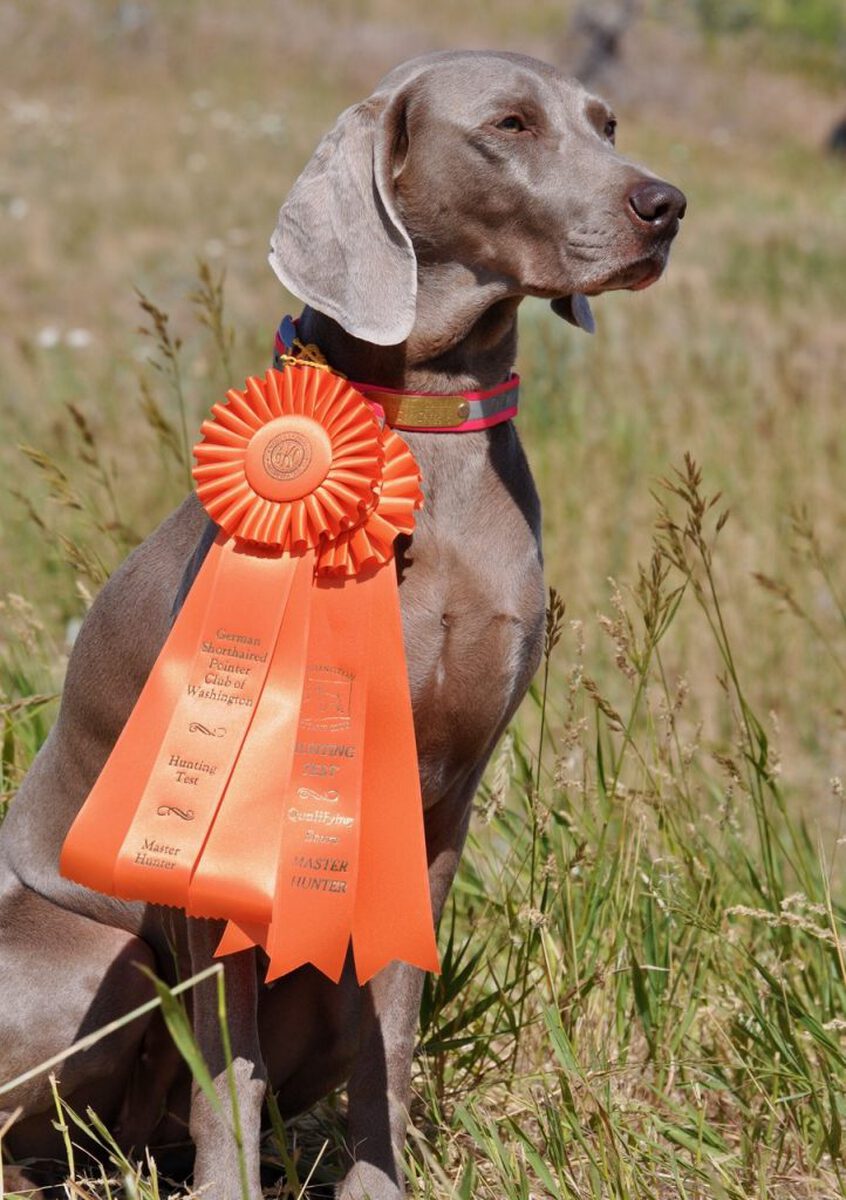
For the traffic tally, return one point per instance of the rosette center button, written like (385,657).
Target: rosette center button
(288,458)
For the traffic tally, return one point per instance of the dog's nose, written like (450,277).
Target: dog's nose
(656,204)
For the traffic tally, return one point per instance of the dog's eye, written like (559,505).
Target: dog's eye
(512,124)
(610,130)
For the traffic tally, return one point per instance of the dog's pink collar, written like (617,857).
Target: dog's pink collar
(458,412)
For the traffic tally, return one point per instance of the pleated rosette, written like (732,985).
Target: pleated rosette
(371,542)
(297,460)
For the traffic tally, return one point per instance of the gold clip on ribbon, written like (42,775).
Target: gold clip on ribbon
(268,772)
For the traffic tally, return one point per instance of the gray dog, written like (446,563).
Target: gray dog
(464,183)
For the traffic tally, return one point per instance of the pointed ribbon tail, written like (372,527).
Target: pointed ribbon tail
(321,810)
(353,862)
(393,910)
(237,937)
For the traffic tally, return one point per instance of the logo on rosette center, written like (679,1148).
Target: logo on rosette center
(298,460)
(287,456)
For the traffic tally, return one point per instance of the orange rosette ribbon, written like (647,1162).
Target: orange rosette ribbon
(268,772)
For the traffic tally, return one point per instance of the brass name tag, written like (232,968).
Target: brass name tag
(425,411)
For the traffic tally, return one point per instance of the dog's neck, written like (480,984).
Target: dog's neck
(464,337)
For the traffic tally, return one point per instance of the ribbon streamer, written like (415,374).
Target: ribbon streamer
(268,773)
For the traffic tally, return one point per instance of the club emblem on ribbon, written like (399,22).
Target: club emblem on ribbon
(306,829)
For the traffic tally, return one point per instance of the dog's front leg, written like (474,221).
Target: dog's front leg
(217,1167)
(380,1085)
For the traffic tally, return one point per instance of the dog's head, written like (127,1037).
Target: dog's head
(493,161)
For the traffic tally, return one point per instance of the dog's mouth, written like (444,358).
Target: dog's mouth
(647,281)
(634,277)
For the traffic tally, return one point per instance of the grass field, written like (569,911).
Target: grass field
(644,977)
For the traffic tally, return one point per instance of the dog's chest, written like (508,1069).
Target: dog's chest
(472,600)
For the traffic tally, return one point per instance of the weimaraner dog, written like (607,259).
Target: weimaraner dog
(464,183)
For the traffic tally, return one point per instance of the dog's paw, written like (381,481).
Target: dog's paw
(363,1181)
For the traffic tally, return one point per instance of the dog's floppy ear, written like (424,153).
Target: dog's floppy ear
(339,242)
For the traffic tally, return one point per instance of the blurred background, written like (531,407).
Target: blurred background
(141,138)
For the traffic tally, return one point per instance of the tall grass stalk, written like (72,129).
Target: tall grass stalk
(552,635)
(168,347)
(207,299)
